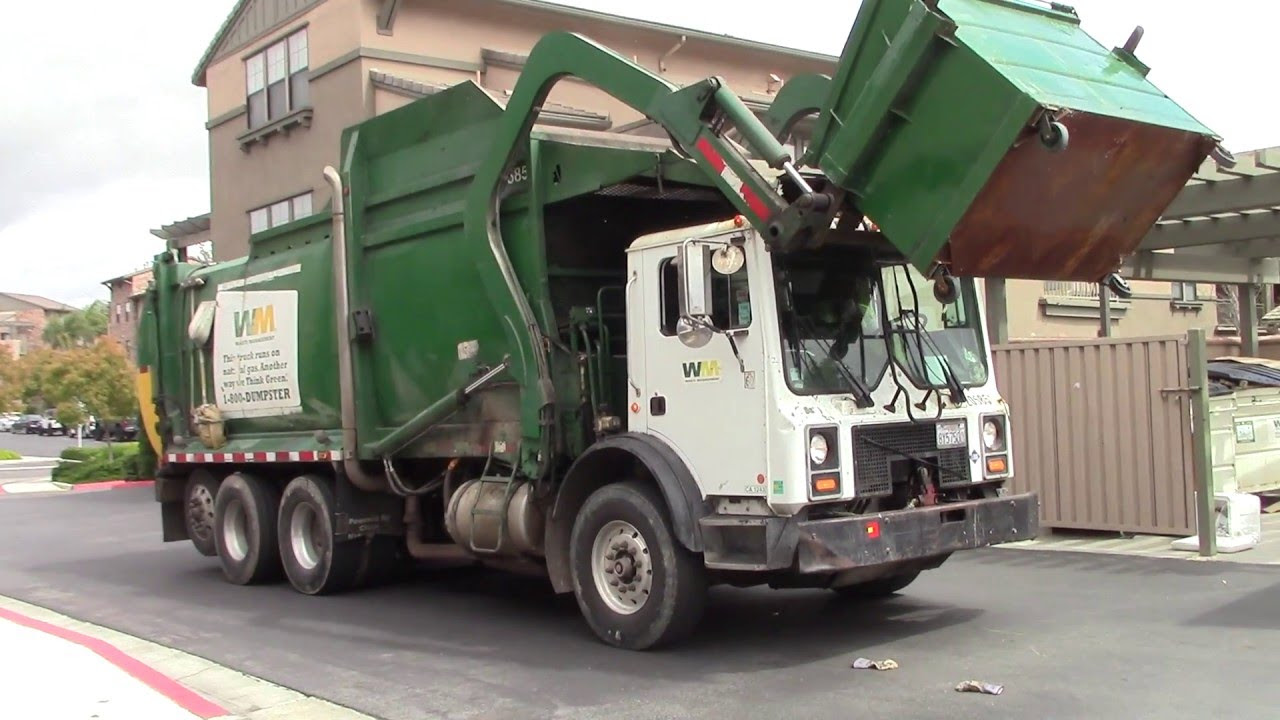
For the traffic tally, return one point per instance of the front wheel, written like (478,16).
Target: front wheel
(637,587)
(881,587)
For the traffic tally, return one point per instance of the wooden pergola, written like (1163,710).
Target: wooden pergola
(1223,228)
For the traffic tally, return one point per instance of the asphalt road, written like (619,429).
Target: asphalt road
(1068,635)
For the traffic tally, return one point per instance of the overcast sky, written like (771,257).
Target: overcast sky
(102,133)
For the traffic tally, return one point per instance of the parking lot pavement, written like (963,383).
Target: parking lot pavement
(1068,635)
(49,446)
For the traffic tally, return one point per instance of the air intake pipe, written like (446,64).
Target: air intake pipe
(346,374)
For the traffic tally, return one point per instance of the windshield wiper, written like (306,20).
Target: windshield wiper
(948,375)
(859,386)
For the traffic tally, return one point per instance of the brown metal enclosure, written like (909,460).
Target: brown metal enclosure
(1102,431)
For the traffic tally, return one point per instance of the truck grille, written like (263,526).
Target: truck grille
(872,474)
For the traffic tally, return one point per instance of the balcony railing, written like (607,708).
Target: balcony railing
(1071,290)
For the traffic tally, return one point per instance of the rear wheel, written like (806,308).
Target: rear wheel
(244,512)
(198,513)
(313,562)
(637,587)
(878,588)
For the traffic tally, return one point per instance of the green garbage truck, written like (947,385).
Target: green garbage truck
(752,352)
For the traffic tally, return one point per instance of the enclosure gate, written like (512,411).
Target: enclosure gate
(1102,431)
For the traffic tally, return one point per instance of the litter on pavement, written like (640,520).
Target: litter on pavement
(865,664)
(979,687)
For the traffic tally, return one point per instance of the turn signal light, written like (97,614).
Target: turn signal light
(997,466)
(826,484)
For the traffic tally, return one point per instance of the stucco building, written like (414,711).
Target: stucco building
(23,319)
(125,307)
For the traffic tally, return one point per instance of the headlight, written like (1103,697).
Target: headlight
(991,435)
(817,449)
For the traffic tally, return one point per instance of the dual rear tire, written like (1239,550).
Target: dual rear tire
(262,534)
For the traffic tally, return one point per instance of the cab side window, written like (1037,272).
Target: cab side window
(730,298)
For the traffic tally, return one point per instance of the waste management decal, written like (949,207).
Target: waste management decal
(255,353)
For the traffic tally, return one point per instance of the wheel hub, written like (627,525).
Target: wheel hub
(306,536)
(200,512)
(620,567)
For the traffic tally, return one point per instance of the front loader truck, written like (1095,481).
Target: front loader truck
(752,352)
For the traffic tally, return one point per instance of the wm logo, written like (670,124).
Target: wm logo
(701,370)
(255,321)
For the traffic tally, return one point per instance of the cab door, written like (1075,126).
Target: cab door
(701,400)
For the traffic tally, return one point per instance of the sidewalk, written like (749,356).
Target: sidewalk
(55,668)
(1266,552)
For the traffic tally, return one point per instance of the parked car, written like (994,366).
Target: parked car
(8,420)
(28,425)
(119,430)
(51,426)
(84,429)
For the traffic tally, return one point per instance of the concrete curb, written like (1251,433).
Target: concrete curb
(44,487)
(201,687)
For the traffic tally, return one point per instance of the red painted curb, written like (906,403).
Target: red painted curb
(180,694)
(111,485)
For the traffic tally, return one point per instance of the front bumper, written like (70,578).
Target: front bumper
(847,543)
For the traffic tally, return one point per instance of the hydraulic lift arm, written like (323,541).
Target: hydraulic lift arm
(696,117)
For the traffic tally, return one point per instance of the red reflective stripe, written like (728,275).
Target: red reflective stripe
(260,457)
(709,152)
(755,203)
(307,456)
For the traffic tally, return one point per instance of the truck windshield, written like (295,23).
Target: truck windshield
(831,321)
(929,337)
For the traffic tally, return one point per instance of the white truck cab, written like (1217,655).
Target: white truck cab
(814,386)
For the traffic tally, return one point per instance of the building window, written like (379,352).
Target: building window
(1184,292)
(276,80)
(279,213)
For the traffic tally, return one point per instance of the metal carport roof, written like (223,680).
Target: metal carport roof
(1223,228)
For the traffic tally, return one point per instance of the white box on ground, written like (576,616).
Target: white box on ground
(1237,524)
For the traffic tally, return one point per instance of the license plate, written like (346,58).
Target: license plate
(951,435)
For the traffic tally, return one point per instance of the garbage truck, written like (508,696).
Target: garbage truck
(752,352)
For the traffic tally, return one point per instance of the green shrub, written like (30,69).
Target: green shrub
(119,462)
(9,455)
(77,453)
(89,453)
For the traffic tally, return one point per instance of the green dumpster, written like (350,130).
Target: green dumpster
(997,137)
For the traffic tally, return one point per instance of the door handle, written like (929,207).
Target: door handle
(657,405)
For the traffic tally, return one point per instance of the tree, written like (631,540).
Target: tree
(10,382)
(77,329)
(95,379)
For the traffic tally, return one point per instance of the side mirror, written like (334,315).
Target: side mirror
(694,326)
